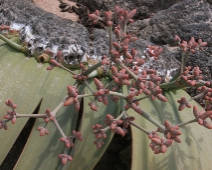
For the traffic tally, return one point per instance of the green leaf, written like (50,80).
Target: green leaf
(26,82)
(193,153)
(86,154)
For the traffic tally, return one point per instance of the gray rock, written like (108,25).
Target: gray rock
(46,31)
(163,19)
(144,7)
(190,18)
(166,65)
(100,43)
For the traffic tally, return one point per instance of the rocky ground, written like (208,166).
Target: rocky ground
(156,23)
(54,7)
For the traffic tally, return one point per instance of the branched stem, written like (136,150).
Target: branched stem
(155,122)
(67,69)
(117,94)
(84,95)
(184,59)
(130,72)
(121,115)
(31,115)
(139,127)
(106,129)
(142,98)
(59,128)
(197,96)
(110,38)
(59,106)
(88,85)
(185,123)
(182,65)
(118,118)
(110,84)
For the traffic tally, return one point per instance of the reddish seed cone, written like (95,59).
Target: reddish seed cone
(64,158)
(93,16)
(69,101)
(132,13)
(54,62)
(13,120)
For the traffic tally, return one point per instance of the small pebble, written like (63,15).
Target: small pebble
(63,5)
(65,9)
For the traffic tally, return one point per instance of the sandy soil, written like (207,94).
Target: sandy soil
(53,7)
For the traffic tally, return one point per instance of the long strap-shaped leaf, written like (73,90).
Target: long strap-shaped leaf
(86,154)
(26,82)
(193,153)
